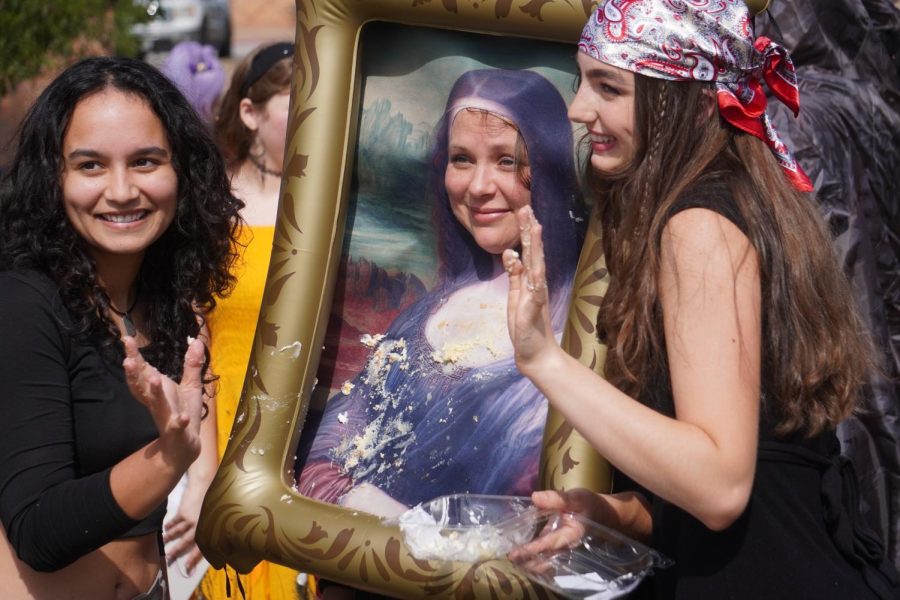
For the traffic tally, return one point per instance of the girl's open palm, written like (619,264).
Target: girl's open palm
(528,311)
(176,407)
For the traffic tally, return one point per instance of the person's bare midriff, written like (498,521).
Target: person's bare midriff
(120,570)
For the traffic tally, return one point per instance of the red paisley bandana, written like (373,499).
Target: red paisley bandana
(702,40)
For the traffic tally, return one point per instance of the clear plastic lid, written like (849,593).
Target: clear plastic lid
(567,553)
(578,558)
(467,527)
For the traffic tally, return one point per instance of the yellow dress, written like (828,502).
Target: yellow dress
(232,326)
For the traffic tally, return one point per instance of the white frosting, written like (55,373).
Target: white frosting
(428,539)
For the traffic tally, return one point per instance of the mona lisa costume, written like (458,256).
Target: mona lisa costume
(416,422)
(417,426)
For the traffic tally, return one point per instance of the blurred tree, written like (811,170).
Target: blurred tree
(35,34)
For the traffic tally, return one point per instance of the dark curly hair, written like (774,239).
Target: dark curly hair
(182,272)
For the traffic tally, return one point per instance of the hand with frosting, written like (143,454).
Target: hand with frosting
(528,311)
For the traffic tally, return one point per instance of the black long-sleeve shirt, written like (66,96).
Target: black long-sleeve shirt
(66,417)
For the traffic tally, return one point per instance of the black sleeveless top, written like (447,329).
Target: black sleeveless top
(801,535)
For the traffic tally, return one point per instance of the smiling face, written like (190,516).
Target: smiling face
(604,104)
(483,179)
(119,187)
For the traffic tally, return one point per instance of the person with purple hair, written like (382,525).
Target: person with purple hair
(440,407)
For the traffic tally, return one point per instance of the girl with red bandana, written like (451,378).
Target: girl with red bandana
(734,346)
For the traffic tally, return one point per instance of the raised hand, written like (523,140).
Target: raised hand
(528,310)
(176,407)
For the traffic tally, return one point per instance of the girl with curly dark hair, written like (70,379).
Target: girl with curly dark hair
(116,230)
(734,345)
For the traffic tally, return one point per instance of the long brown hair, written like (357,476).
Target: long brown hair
(232,136)
(816,356)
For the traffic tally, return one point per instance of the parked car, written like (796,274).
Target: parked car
(173,21)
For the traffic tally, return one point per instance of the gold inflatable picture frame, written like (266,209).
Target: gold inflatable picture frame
(251,512)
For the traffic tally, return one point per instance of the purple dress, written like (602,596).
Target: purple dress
(418,428)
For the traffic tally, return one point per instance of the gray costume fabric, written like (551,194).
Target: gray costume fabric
(847,139)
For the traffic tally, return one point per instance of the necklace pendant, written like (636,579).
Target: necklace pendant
(129,325)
